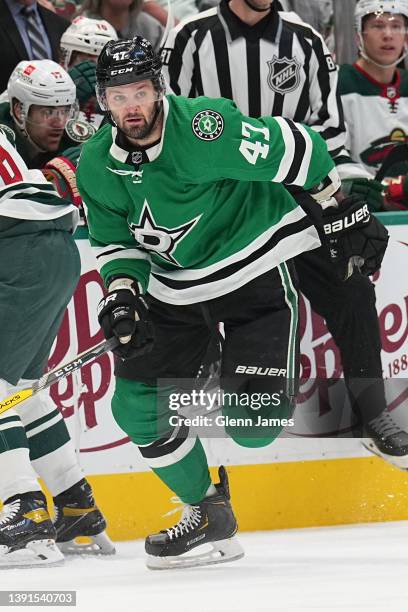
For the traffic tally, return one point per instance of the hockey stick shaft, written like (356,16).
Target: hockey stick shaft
(58,373)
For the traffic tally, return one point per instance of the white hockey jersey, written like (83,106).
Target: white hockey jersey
(376,115)
(26,194)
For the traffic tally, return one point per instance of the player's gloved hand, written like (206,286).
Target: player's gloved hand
(61,171)
(369,190)
(124,313)
(396,193)
(84,77)
(355,237)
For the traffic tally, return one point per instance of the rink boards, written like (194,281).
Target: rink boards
(295,482)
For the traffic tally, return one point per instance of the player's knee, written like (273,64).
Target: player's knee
(258,417)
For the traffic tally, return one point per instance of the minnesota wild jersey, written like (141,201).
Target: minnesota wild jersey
(25,194)
(376,114)
(204,211)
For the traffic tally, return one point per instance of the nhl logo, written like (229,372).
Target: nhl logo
(284,74)
(137,157)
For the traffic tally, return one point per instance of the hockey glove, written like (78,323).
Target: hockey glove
(396,193)
(355,237)
(84,77)
(124,313)
(61,171)
(369,190)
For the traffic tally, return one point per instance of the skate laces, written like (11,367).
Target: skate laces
(9,511)
(385,425)
(190,518)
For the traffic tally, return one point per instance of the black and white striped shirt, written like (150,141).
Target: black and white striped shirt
(279,67)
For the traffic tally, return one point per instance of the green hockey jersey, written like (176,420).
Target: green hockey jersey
(376,115)
(204,211)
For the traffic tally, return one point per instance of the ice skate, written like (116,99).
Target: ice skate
(387,440)
(79,523)
(27,535)
(209,525)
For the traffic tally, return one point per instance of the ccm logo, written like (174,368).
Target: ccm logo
(358,216)
(241,369)
(121,71)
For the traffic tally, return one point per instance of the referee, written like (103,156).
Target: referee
(270,62)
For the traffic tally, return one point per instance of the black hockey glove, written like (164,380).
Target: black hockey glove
(124,313)
(355,237)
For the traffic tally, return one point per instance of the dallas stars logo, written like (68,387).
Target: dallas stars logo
(161,240)
(207,125)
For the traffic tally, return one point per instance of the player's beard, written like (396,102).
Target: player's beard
(138,132)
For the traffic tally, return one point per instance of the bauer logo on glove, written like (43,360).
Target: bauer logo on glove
(355,238)
(345,222)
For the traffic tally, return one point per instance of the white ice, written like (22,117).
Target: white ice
(347,568)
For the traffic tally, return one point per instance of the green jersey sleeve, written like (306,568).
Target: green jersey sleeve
(231,145)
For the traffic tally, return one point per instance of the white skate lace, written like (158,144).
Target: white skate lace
(190,519)
(385,425)
(9,512)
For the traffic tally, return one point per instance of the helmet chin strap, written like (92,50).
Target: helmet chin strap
(256,9)
(364,55)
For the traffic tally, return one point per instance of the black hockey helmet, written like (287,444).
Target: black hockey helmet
(127,61)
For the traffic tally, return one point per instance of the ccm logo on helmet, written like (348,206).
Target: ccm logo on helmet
(120,71)
(362,215)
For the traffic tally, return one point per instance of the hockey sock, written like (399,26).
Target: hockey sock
(52,452)
(17,475)
(174,454)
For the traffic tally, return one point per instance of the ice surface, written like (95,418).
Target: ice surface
(347,568)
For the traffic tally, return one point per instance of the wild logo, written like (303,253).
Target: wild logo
(79,131)
(284,74)
(377,151)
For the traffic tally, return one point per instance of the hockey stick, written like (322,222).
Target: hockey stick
(58,374)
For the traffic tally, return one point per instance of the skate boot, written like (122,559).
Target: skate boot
(77,516)
(27,535)
(211,522)
(387,440)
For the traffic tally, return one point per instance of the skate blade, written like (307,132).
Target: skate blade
(43,553)
(399,462)
(88,545)
(222,551)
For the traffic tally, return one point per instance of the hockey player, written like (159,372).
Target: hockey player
(84,40)
(80,45)
(40,115)
(374,93)
(39,269)
(191,225)
(270,62)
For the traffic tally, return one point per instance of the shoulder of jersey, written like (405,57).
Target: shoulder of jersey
(99,144)
(293,21)
(404,82)
(350,80)
(8,132)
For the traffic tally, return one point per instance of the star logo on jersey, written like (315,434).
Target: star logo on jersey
(284,74)
(162,240)
(208,125)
